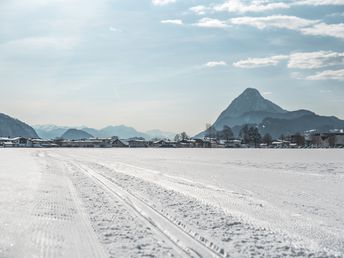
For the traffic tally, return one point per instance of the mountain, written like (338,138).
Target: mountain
(13,128)
(277,126)
(122,131)
(253,109)
(156,133)
(50,131)
(249,108)
(76,134)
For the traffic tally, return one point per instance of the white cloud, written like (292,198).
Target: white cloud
(163,2)
(299,60)
(323,29)
(213,64)
(255,6)
(238,6)
(328,75)
(260,62)
(313,60)
(211,23)
(277,21)
(304,26)
(200,9)
(319,2)
(176,22)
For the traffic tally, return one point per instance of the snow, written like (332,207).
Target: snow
(171,202)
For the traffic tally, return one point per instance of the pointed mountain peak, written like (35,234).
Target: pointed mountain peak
(251,91)
(249,101)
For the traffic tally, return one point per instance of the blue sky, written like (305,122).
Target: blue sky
(167,64)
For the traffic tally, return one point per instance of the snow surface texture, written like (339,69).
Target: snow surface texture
(171,203)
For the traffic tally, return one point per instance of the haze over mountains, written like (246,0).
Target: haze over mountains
(249,108)
(121,131)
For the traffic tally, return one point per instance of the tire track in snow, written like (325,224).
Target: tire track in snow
(173,231)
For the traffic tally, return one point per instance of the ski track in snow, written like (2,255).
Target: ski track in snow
(84,204)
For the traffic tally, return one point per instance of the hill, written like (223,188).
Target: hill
(11,127)
(76,134)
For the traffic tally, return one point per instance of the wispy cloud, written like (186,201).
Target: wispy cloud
(304,26)
(255,6)
(318,2)
(323,29)
(313,60)
(237,6)
(299,60)
(163,2)
(302,60)
(176,22)
(260,62)
(276,21)
(213,64)
(328,75)
(211,23)
(200,9)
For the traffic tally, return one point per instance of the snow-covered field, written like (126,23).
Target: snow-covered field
(171,202)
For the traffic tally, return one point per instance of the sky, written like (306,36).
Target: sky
(167,64)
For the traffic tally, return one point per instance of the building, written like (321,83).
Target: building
(135,143)
(120,144)
(13,142)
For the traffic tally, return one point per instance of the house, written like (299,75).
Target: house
(13,142)
(280,144)
(339,140)
(186,144)
(164,144)
(234,143)
(327,140)
(135,143)
(120,144)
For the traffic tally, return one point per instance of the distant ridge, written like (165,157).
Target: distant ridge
(252,108)
(121,131)
(76,134)
(11,127)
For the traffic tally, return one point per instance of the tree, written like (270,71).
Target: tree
(211,132)
(254,136)
(267,139)
(184,136)
(244,134)
(250,135)
(177,137)
(298,139)
(227,133)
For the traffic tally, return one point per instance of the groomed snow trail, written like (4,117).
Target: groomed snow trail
(82,203)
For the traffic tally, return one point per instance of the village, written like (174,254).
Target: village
(307,140)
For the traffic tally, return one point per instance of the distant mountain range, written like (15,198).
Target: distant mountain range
(11,127)
(253,109)
(249,108)
(121,131)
